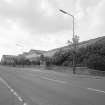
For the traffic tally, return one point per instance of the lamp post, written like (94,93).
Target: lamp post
(74,45)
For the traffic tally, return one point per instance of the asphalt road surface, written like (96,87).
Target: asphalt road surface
(42,87)
(6,97)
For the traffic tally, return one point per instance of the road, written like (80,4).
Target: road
(6,97)
(42,87)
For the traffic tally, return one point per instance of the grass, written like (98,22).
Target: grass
(79,70)
(64,69)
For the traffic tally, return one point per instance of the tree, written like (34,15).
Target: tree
(21,60)
(96,61)
(48,61)
(75,42)
(59,57)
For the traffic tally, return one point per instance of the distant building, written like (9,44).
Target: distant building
(8,59)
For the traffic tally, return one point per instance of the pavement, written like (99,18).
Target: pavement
(43,87)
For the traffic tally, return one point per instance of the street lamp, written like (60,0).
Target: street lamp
(74,65)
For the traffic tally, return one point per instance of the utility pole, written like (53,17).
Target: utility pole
(73,43)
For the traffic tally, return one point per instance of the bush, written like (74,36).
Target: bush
(97,62)
(67,63)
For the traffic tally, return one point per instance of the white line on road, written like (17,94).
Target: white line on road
(54,80)
(12,90)
(25,104)
(46,71)
(20,99)
(92,89)
(59,81)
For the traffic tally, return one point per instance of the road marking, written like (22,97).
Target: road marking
(15,93)
(46,71)
(59,81)
(12,91)
(25,104)
(92,89)
(20,99)
(54,80)
(36,70)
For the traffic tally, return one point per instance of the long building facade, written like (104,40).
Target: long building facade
(8,59)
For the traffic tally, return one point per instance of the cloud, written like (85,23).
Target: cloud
(99,17)
(92,23)
(43,16)
(40,16)
(38,24)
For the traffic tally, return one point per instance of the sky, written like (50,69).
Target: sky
(38,24)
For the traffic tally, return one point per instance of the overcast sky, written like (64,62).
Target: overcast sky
(38,24)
